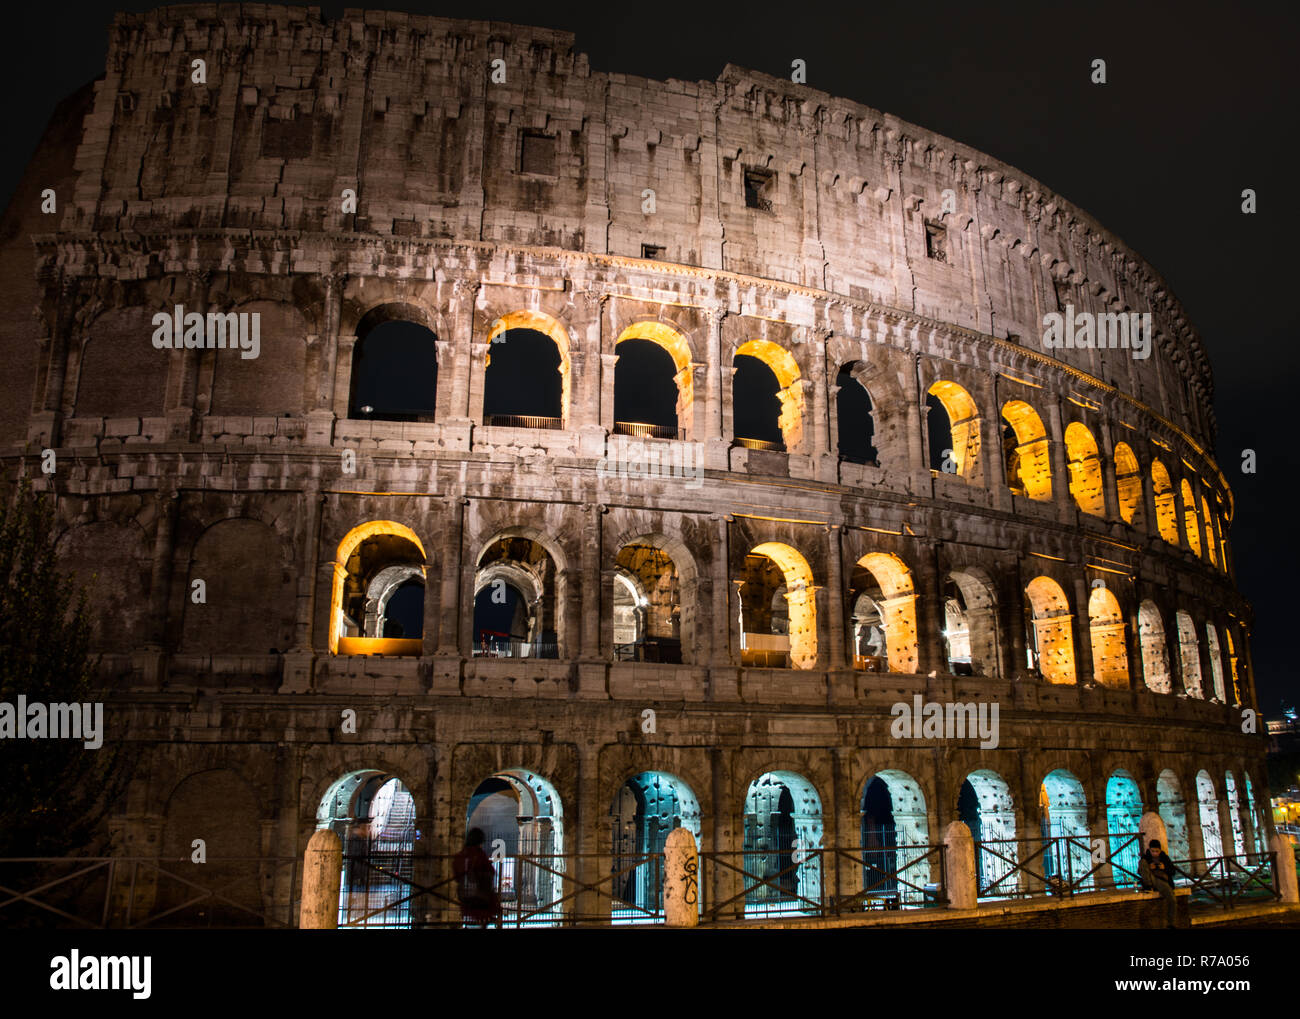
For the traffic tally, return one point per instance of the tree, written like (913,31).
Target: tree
(54,793)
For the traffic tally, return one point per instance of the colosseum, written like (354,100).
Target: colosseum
(455,437)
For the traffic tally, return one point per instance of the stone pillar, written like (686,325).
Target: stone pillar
(1083,669)
(449,597)
(817,411)
(994,466)
(478,358)
(959,879)
(592,829)
(1060,471)
(322,869)
(1285,862)
(323,412)
(681,879)
(568,631)
(1109,487)
(465,295)
(608,364)
(1011,604)
(725,646)
(160,575)
(183,401)
(717,398)
(915,451)
(836,656)
(592,555)
(931,652)
(1149,500)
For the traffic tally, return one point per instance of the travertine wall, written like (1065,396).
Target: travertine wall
(176,466)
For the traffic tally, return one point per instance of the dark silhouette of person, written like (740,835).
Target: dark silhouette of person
(1157,871)
(476,882)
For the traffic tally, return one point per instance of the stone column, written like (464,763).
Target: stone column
(465,295)
(592,554)
(1083,670)
(931,652)
(817,411)
(915,452)
(837,656)
(167,501)
(478,358)
(449,597)
(323,411)
(1011,604)
(1110,491)
(322,870)
(1060,471)
(995,471)
(959,867)
(184,401)
(681,879)
(605,397)
(716,434)
(1149,500)
(345,345)
(724,650)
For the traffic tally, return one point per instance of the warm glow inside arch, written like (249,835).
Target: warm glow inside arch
(800,594)
(898,608)
(1085,469)
(1128,482)
(538,321)
(1109,648)
(786,369)
(347,546)
(963,417)
(1191,524)
(1052,630)
(1166,507)
(1029,465)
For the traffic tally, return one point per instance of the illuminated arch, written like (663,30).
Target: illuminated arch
(783,813)
(1026,452)
(674,344)
(1128,483)
(1234,815)
(790,394)
(895,832)
(970,622)
(1233,671)
(964,426)
(1208,517)
(539,322)
(1216,663)
(1052,636)
(1084,464)
(987,808)
(1173,811)
(1155,649)
(898,608)
(1166,505)
(1063,807)
(800,594)
(347,546)
(1207,801)
(1191,524)
(1123,815)
(1189,653)
(1109,644)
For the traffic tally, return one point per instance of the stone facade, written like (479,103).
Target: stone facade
(804,230)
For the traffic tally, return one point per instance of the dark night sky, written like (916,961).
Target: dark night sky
(1199,103)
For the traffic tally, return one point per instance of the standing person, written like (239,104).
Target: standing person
(476,882)
(1158,871)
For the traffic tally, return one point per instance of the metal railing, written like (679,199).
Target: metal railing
(821,882)
(641,431)
(98,892)
(777,447)
(522,421)
(1230,881)
(499,648)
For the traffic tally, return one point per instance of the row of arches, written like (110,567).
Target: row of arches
(782,828)
(520,586)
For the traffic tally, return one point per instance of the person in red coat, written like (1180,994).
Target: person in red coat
(476,882)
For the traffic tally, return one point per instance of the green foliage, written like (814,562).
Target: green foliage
(54,792)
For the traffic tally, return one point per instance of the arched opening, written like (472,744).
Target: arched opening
(1155,650)
(1238,693)
(1109,641)
(394,369)
(373,814)
(985,805)
(1260,836)
(1173,811)
(648,606)
(783,830)
(1128,485)
(970,625)
(857,426)
(1234,815)
(778,612)
(1190,522)
(895,832)
(1211,552)
(522,821)
(1207,802)
(648,806)
(377,605)
(1166,508)
(884,614)
(1216,663)
(1063,816)
(1123,815)
(1052,647)
(526,384)
(1189,654)
(953,425)
(1084,464)
(516,600)
(1025,452)
(648,400)
(767,397)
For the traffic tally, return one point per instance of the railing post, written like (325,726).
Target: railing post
(681,879)
(959,867)
(322,870)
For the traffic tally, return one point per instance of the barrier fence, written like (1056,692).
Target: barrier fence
(412,890)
